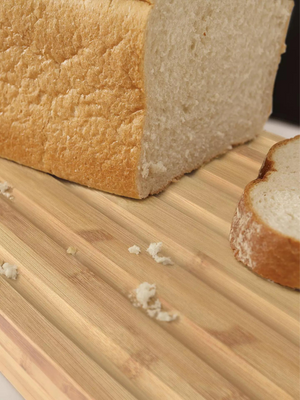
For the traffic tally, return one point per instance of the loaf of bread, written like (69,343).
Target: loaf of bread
(127,95)
(265,232)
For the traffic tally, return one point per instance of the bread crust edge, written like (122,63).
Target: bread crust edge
(264,250)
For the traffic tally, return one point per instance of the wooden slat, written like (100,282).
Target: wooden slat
(189,250)
(48,357)
(21,380)
(102,316)
(237,335)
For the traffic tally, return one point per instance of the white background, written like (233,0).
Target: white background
(7,392)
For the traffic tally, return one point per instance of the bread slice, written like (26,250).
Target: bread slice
(127,95)
(265,232)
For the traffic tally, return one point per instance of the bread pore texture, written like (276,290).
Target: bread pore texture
(127,95)
(265,232)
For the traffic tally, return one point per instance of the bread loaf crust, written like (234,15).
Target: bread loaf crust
(74,105)
(73,92)
(266,251)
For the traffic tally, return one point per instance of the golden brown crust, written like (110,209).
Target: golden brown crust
(269,164)
(267,252)
(72,82)
(72,89)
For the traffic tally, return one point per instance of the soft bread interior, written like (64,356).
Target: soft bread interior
(209,70)
(277,199)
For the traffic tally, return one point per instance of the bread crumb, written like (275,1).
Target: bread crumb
(154,249)
(154,168)
(166,317)
(157,168)
(72,250)
(134,250)
(163,260)
(152,313)
(156,305)
(10,271)
(145,170)
(5,190)
(143,295)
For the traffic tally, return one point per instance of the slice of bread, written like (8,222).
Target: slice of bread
(265,232)
(125,96)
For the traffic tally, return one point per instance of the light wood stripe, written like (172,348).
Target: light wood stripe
(40,363)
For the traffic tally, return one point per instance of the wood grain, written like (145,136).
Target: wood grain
(68,329)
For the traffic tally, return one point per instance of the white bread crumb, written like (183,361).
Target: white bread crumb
(163,260)
(143,295)
(154,249)
(156,305)
(152,313)
(10,271)
(165,316)
(158,168)
(5,190)
(154,168)
(134,250)
(72,250)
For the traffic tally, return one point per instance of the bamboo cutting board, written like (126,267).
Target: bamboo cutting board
(68,329)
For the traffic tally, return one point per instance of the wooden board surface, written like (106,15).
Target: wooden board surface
(68,329)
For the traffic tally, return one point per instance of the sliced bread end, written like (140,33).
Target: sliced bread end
(265,230)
